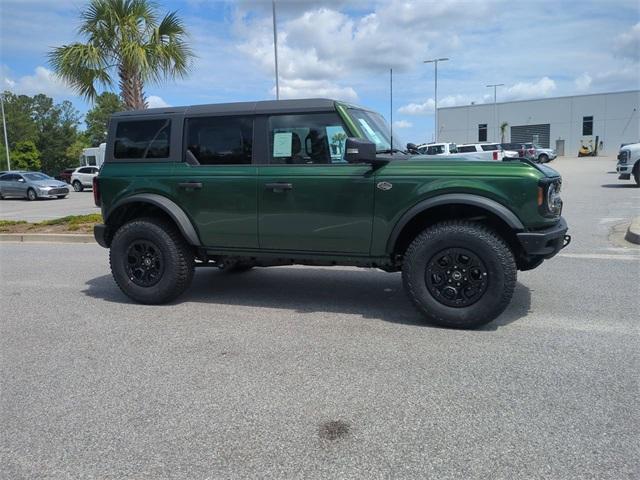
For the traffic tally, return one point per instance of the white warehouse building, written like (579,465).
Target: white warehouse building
(563,123)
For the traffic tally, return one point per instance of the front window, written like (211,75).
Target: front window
(314,138)
(376,129)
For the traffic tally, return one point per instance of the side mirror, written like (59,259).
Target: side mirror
(412,148)
(21,180)
(358,150)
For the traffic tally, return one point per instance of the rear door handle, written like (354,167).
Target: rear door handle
(190,185)
(278,186)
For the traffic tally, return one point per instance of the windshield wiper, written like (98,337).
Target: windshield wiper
(391,150)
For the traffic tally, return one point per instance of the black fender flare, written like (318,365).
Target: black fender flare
(169,207)
(485,203)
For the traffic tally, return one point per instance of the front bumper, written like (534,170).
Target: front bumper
(53,193)
(545,243)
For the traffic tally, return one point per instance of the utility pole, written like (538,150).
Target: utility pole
(435,62)
(4,126)
(275,47)
(495,109)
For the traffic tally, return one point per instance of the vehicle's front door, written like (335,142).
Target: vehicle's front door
(19,186)
(216,183)
(310,199)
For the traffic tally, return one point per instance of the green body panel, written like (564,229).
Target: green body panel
(328,209)
(225,210)
(512,184)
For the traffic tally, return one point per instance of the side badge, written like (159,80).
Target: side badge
(384,186)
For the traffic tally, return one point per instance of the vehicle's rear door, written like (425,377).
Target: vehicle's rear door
(310,199)
(216,183)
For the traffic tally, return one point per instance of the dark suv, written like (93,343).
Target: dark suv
(317,182)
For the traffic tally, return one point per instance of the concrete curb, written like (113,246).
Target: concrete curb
(633,232)
(47,237)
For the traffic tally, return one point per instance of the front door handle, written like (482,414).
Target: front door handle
(190,185)
(278,186)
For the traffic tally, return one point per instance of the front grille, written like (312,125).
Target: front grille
(58,191)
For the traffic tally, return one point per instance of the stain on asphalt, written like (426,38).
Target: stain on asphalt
(334,430)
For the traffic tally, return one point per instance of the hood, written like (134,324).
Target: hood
(48,183)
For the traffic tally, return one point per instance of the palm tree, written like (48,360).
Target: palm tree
(123,38)
(503,129)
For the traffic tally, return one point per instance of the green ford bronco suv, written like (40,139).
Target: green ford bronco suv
(317,182)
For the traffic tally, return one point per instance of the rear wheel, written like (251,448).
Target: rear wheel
(31,194)
(150,261)
(459,274)
(543,158)
(77,186)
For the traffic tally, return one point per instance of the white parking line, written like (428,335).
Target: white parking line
(600,256)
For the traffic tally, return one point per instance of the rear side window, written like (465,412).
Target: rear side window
(489,148)
(466,148)
(220,140)
(143,139)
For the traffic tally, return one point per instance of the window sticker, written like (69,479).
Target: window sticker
(282,144)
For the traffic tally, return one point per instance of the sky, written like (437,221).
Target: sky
(345,50)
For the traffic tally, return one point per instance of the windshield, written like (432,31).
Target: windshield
(376,129)
(36,176)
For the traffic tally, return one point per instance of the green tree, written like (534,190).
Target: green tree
(124,38)
(25,156)
(97,118)
(73,152)
(503,130)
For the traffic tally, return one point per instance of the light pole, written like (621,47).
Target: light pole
(4,126)
(495,107)
(435,62)
(275,47)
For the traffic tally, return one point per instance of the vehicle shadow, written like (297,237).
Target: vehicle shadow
(369,293)
(619,185)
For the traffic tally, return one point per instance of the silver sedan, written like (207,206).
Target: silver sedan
(31,185)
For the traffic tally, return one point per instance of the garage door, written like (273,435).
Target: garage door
(531,133)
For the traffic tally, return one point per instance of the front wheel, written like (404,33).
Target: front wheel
(636,176)
(543,158)
(31,195)
(459,274)
(150,261)
(77,186)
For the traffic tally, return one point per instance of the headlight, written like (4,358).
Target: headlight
(549,201)
(623,156)
(44,189)
(554,202)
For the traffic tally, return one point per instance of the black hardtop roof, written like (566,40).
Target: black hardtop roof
(242,108)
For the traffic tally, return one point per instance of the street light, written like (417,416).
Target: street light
(4,126)
(495,107)
(275,47)
(435,62)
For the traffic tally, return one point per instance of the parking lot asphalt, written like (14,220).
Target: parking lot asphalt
(305,372)
(77,203)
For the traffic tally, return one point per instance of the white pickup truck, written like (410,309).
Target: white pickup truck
(629,162)
(466,152)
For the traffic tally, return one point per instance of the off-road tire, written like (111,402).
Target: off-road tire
(32,195)
(543,158)
(177,255)
(487,245)
(77,186)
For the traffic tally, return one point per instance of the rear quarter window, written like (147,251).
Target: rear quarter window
(466,148)
(142,139)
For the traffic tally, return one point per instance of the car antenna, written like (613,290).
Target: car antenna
(391,106)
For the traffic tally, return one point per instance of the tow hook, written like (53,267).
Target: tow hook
(567,240)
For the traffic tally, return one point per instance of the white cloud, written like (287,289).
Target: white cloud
(583,82)
(402,124)
(154,101)
(525,90)
(299,88)
(418,108)
(43,80)
(627,44)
